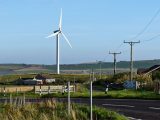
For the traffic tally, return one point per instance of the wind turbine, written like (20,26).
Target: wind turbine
(57,33)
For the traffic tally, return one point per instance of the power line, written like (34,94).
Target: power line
(118,47)
(152,38)
(147,25)
(124,51)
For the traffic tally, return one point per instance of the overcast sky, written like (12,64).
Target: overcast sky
(94,27)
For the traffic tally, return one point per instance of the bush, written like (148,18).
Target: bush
(156,75)
(118,78)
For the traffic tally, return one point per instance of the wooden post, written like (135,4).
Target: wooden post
(16,91)
(40,91)
(24,98)
(4,91)
(34,89)
(49,89)
(10,99)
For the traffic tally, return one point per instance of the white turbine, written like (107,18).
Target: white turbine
(57,33)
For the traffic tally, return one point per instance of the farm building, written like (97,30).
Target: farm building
(151,70)
(157,86)
(154,71)
(28,81)
(39,79)
(44,78)
(32,82)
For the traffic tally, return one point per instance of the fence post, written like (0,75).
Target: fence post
(24,98)
(34,89)
(40,90)
(16,91)
(10,99)
(49,89)
(74,87)
(4,91)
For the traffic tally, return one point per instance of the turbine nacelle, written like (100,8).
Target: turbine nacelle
(56,31)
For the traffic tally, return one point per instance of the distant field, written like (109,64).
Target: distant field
(31,68)
(35,70)
(84,68)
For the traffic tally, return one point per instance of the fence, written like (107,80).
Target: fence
(157,86)
(52,89)
(36,89)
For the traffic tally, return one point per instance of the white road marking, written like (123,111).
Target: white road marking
(118,105)
(154,108)
(132,118)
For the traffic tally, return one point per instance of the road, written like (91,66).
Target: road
(133,109)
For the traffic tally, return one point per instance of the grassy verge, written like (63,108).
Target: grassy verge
(118,94)
(114,94)
(14,95)
(52,110)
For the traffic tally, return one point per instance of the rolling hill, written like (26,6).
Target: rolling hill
(83,66)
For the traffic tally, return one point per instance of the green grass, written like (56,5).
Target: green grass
(115,94)
(84,93)
(52,110)
(15,95)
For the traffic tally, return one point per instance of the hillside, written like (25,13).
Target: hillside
(106,65)
(23,68)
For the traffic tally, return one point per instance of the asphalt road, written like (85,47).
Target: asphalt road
(133,109)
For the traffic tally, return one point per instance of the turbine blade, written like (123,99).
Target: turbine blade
(67,40)
(52,35)
(60,20)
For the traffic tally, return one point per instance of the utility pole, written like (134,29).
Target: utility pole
(115,61)
(69,99)
(91,80)
(131,43)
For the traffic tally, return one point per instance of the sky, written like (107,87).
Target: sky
(94,27)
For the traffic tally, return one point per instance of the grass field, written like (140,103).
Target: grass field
(84,93)
(115,94)
(52,110)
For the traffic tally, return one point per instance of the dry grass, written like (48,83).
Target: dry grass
(52,110)
(11,89)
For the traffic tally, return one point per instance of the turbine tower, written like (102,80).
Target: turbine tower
(57,33)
